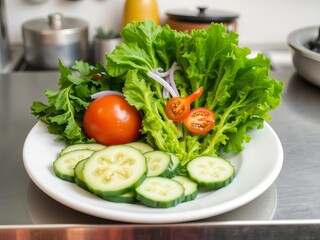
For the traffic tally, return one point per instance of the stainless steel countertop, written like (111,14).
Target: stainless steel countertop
(292,202)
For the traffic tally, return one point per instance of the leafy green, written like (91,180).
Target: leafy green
(238,89)
(64,111)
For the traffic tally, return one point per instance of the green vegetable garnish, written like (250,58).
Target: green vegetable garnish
(64,112)
(238,89)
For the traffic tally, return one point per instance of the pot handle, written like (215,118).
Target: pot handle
(55,20)
(202,10)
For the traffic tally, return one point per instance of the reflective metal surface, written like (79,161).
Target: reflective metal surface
(4,38)
(236,230)
(290,208)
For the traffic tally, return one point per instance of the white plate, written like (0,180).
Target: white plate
(257,167)
(43,209)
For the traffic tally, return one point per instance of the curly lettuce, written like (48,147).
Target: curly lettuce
(238,89)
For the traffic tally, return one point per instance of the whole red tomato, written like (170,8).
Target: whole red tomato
(111,120)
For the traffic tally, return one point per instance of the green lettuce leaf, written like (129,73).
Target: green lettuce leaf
(238,89)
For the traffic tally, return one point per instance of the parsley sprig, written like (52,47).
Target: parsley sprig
(65,108)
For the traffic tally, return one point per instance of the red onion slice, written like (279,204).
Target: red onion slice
(161,74)
(170,78)
(105,93)
(169,75)
(163,83)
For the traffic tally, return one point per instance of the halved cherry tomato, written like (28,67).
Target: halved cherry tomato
(200,120)
(178,108)
(111,120)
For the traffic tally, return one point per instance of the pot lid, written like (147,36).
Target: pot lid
(55,22)
(202,14)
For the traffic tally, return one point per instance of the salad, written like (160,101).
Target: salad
(160,71)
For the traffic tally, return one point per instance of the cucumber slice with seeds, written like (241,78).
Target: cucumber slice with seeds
(129,197)
(210,172)
(82,146)
(78,174)
(160,192)
(159,163)
(190,187)
(64,165)
(176,165)
(143,147)
(114,170)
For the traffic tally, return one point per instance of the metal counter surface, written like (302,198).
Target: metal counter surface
(295,195)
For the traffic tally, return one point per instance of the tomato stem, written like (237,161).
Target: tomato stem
(195,95)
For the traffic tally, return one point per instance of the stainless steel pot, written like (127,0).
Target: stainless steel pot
(103,46)
(201,18)
(47,40)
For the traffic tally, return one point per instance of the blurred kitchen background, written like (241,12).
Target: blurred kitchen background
(262,24)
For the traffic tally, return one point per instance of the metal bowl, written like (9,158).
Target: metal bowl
(305,60)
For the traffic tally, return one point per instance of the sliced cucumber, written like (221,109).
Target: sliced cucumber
(176,165)
(78,174)
(64,165)
(82,146)
(190,187)
(159,163)
(160,192)
(143,147)
(114,170)
(210,172)
(129,197)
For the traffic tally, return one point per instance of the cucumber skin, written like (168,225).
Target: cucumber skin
(213,185)
(216,185)
(190,197)
(141,146)
(159,204)
(106,194)
(174,172)
(167,171)
(122,199)
(64,176)
(82,146)
(80,182)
